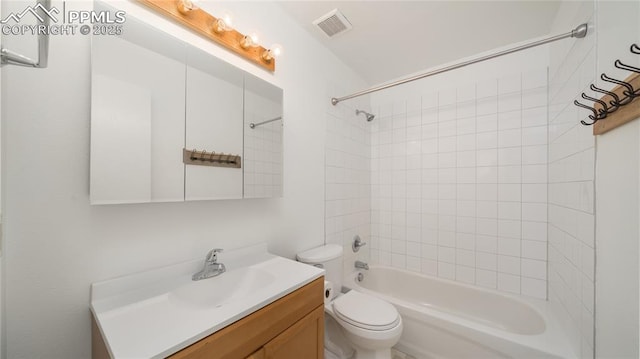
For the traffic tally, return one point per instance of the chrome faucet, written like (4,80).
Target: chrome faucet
(362,265)
(211,266)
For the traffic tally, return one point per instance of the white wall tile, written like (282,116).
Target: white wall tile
(532,136)
(534,174)
(534,250)
(510,156)
(510,138)
(487,105)
(488,261)
(487,88)
(487,209)
(510,192)
(534,98)
(488,244)
(488,122)
(509,246)
(534,268)
(536,116)
(457,180)
(487,157)
(509,265)
(536,288)
(509,120)
(465,274)
(486,278)
(446,270)
(536,212)
(509,283)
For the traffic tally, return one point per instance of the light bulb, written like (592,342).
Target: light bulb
(273,52)
(249,40)
(184,6)
(223,23)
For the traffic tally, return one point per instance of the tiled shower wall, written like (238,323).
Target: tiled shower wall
(571,181)
(459,184)
(347,180)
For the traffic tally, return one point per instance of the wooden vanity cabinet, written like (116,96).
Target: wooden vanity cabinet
(290,328)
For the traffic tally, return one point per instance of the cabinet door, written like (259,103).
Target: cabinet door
(304,339)
(259,354)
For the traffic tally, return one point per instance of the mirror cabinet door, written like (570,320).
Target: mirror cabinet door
(214,102)
(262,142)
(137,116)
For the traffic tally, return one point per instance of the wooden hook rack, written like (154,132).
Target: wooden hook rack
(619,105)
(204,158)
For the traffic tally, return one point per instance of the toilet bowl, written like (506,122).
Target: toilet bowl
(370,325)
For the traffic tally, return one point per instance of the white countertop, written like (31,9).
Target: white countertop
(140,317)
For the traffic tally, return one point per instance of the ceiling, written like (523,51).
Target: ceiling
(391,39)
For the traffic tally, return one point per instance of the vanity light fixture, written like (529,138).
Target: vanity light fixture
(185,6)
(250,40)
(217,29)
(272,53)
(223,23)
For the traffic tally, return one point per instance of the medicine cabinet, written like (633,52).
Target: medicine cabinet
(171,122)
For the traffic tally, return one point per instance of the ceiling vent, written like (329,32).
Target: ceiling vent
(333,23)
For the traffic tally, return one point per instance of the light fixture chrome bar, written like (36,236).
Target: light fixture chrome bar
(254,125)
(9,57)
(578,32)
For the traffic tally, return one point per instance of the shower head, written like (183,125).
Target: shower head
(370,117)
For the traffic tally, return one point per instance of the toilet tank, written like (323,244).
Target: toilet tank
(329,257)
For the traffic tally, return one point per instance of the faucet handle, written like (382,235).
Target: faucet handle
(212,256)
(357,243)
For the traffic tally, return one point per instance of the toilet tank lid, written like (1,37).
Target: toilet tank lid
(320,254)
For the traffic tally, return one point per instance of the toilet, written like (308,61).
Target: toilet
(370,325)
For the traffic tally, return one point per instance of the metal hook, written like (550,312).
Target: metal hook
(193,155)
(630,92)
(635,49)
(619,64)
(211,156)
(585,123)
(615,103)
(594,117)
(602,111)
(203,154)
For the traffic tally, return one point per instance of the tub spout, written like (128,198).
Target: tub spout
(362,265)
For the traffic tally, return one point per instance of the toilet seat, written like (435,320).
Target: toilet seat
(365,311)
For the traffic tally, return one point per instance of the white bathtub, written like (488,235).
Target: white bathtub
(446,319)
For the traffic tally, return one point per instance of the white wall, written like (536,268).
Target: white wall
(57,244)
(593,273)
(617,175)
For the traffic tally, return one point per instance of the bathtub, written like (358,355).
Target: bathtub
(446,319)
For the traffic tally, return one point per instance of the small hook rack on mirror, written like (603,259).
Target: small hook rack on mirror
(204,158)
(617,106)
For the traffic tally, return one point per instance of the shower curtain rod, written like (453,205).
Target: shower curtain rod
(579,32)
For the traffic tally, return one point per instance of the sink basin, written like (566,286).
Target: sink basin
(156,313)
(216,291)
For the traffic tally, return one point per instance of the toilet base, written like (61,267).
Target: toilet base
(362,353)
